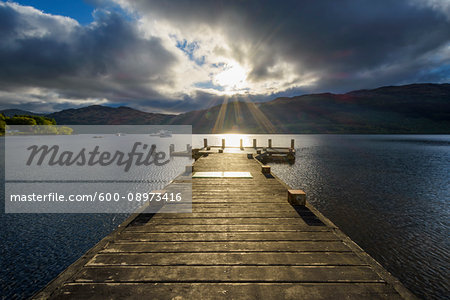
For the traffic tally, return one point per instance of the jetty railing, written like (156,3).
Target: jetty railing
(265,154)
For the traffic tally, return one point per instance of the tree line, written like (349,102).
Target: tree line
(5,121)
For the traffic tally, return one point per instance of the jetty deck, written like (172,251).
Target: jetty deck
(243,240)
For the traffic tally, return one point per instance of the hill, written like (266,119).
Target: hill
(418,108)
(13,112)
(104,115)
(415,108)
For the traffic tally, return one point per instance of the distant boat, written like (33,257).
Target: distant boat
(162,133)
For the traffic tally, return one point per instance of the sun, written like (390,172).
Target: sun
(232,77)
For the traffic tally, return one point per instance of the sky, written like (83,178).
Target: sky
(182,55)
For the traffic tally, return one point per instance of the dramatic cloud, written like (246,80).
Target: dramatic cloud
(180,55)
(322,45)
(51,58)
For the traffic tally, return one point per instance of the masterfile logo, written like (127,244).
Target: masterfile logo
(92,169)
(54,156)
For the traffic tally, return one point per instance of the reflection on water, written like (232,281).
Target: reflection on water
(37,247)
(389,193)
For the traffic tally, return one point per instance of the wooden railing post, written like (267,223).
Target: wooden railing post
(296,197)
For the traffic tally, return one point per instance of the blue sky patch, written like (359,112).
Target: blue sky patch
(189,49)
(78,10)
(208,85)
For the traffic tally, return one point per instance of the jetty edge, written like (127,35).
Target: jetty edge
(243,240)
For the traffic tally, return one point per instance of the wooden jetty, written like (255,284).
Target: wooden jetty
(243,240)
(265,155)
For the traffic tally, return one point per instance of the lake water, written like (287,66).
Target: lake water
(389,193)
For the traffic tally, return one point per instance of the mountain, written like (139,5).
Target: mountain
(13,112)
(104,115)
(415,108)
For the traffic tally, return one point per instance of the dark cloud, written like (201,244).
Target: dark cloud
(107,59)
(338,40)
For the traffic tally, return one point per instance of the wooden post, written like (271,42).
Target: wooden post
(292,144)
(254,143)
(270,143)
(205,143)
(223,143)
(171,149)
(296,197)
(265,169)
(291,156)
(241,145)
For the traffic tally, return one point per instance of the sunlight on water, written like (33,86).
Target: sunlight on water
(389,193)
(233,140)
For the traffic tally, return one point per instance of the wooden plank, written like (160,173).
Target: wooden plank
(224,221)
(245,291)
(229,236)
(242,240)
(219,189)
(155,227)
(228,274)
(242,205)
(236,258)
(237,209)
(251,200)
(247,214)
(227,246)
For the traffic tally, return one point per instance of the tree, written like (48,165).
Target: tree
(65,130)
(21,120)
(2,124)
(49,129)
(45,125)
(40,120)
